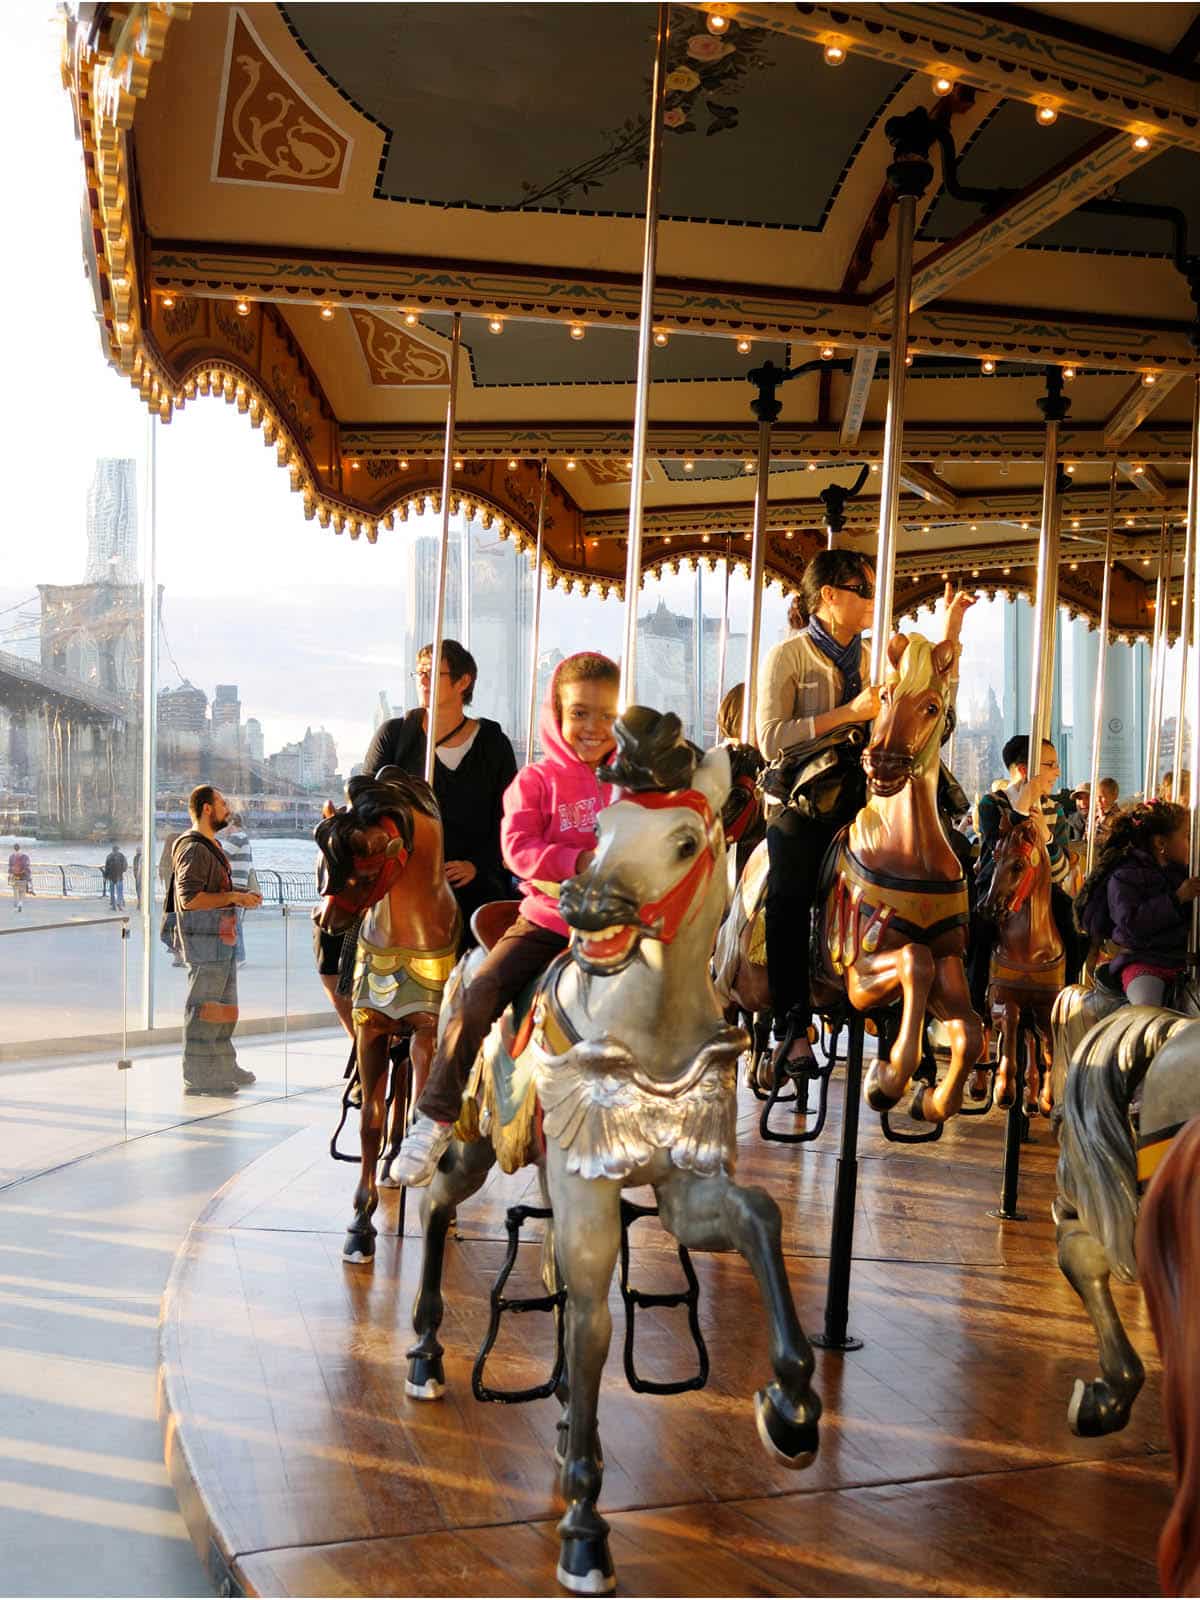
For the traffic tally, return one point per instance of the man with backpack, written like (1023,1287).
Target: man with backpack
(113,873)
(204,902)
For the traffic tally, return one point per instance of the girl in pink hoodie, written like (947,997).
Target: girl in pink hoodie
(548,835)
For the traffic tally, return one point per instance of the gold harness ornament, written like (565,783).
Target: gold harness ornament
(922,911)
(399,982)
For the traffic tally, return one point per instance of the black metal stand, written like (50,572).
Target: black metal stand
(1016,1132)
(553,1303)
(841,1238)
(637,1298)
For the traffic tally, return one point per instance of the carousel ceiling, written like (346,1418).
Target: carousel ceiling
(286,204)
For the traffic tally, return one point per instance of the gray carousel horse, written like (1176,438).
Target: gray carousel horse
(1108,1150)
(627,1058)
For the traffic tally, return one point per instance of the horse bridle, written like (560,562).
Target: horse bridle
(389,863)
(663,918)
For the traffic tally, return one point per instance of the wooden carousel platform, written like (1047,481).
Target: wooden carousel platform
(946,1466)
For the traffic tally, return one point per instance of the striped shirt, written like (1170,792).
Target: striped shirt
(237,848)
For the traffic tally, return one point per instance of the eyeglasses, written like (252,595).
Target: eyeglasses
(425,673)
(864,591)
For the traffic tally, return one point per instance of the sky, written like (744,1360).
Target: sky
(307,624)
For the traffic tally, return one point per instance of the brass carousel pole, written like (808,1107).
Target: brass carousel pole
(909,175)
(723,649)
(1158,661)
(439,609)
(1185,604)
(149,876)
(633,554)
(536,631)
(1101,666)
(1194,535)
(766,408)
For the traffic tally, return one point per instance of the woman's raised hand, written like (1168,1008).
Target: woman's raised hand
(957,602)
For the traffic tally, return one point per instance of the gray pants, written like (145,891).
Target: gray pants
(209,1018)
(1146,990)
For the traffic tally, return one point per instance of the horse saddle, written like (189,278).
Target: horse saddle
(500,1101)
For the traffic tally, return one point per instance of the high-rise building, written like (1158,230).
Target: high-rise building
(226,719)
(112,522)
(182,710)
(254,739)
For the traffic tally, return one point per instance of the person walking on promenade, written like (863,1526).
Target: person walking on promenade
(20,875)
(475,765)
(202,896)
(137,874)
(236,845)
(113,872)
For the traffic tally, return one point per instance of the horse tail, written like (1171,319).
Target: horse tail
(1168,1252)
(1097,1165)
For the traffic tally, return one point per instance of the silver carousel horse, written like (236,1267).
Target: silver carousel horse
(627,1063)
(1110,1143)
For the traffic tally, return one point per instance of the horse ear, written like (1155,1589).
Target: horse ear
(897,645)
(713,777)
(1005,823)
(943,657)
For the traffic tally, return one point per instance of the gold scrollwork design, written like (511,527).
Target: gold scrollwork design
(303,152)
(394,358)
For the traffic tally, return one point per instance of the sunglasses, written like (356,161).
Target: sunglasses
(864,591)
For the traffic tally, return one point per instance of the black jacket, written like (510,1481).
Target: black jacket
(470,798)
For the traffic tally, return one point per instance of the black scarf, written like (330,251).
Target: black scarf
(847,658)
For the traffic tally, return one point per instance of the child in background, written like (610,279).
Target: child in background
(547,836)
(1138,897)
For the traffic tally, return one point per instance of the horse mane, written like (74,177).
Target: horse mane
(1168,1252)
(1097,1165)
(915,671)
(392,793)
(652,754)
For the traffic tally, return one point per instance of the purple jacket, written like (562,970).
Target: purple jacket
(1148,922)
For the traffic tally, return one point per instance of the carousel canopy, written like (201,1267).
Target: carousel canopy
(285,204)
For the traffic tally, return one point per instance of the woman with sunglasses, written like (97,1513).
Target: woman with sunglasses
(814,684)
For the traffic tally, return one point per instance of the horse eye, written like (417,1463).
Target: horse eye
(687,847)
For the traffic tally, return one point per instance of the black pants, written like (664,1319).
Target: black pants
(983,942)
(513,961)
(796,846)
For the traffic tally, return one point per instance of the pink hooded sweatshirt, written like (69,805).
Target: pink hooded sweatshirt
(550,818)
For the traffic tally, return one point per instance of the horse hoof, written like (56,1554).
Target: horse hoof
(359,1248)
(585,1566)
(916,1106)
(1094,1410)
(877,1096)
(792,1443)
(426,1378)
(977,1088)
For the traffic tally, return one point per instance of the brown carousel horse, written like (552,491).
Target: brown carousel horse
(385,863)
(1028,965)
(1168,1259)
(894,921)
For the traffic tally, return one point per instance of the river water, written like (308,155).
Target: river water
(277,855)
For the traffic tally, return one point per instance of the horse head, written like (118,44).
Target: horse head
(914,701)
(365,844)
(1020,852)
(652,875)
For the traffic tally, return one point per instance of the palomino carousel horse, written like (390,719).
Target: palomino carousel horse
(624,1074)
(1168,1255)
(894,921)
(1028,964)
(383,854)
(1104,1157)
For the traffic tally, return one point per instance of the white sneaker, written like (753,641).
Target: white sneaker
(416,1161)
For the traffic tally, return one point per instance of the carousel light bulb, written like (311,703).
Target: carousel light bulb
(1007,571)
(459,464)
(326,313)
(1074,522)
(789,534)
(1070,471)
(812,466)
(1074,566)
(827,352)
(1149,379)
(1138,471)
(495,324)
(1068,374)
(403,465)
(242,307)
(629,466)
(1145,561)
(908,359)
(354,466)
(667,540)
(926,528)
(716,23)
(168,300)
(1141,141)
(689,466)
(1129,522)
(411,319)
(945,577)
(744,347)
(661,337)
(942,86)
(974,572)
(987,366)
(1047,116)
(571,464)
(974,527)
(1025,525)
(835,55)
(874,466)
(748,466)
(703,538)
(577,330)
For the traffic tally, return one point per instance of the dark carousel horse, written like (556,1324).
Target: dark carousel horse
(1028,963)
(1168,1255)
(384,863)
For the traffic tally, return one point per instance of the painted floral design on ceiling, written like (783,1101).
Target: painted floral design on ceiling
(705,75)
